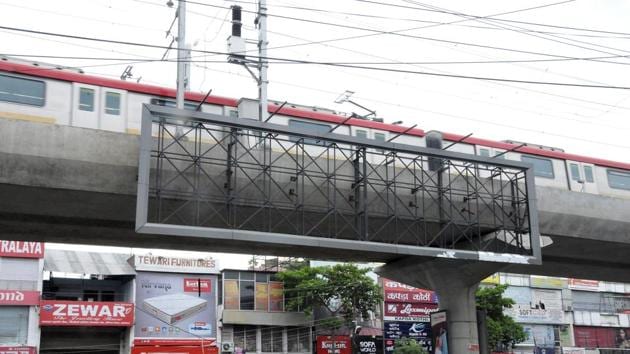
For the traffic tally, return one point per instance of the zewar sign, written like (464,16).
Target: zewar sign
(85,313)
(18,350)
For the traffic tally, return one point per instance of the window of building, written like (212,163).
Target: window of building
(13,324)
(575,172)
(618,179)
(271,340)
(86,99)
(309,127)
(108,295)
(298,340)
(247,294)
(245,338)
(169,103)
(24,91)
(112,103)
(588,174)
(542,167)
(361,133)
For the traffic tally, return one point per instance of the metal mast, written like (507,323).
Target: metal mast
(262,60)
(182,80)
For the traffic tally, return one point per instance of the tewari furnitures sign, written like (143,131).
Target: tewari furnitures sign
(176,264)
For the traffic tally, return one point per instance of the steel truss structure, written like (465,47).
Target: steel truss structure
(241,179)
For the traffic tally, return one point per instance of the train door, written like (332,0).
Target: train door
(112,113)
(85,106)
(582,177)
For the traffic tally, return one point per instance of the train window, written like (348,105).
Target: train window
(380,137)
(19,90)
(484,152)
(361,134)
(86,99)
(542,167)
(618,179)
(308,127)
(169,103)
(112,103)
(575,172)
(588,174)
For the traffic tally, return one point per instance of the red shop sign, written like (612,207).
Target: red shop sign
(19,297)
(398,292)
(85,313)
(192,285)
(409,309)
(21,249)
(333,345)
(18,350)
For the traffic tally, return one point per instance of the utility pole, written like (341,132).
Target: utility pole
(182,80)
(262,60)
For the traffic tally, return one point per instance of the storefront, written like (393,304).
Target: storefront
(20,288)
(87,303)
(176,302)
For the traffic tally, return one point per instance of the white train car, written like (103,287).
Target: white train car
(48,94)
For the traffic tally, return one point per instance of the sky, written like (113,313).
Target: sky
(579,42)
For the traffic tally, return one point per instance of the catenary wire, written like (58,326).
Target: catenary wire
(469,77)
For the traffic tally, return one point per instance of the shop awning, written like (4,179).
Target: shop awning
(78,262)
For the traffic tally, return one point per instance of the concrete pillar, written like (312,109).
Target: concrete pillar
(455,282)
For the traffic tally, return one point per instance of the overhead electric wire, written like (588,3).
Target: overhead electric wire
(469,77)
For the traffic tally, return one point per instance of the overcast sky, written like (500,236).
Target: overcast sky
(586,121)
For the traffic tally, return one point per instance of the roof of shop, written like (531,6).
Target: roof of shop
(77,262)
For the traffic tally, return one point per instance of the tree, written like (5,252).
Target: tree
(409,346)
(344,290)
(502,330)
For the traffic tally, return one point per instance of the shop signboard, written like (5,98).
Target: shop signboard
(173,305)
(493,279)
(539,335)
(369,345)
(19,298)
(525,314)
(409,311)
(537,281)
(439,329)
(17,350)
(571,350)
(21,249)
(334,345)
(398,292)
(176,264)
(85,313)
(419,331)
(583,284)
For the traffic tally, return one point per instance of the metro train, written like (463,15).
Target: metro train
(47,94)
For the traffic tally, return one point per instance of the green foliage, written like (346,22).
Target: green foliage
(344,289)
(409,346)
(502,330)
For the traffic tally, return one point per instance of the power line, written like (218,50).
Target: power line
(363,67)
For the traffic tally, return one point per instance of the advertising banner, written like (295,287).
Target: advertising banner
(19,297)
(231,296)
(276,296)
(369,345)
(18,350)
(537,281)
(439,329)
(334,345)
(583,284)
(21,249)
(526,314)
(571,350)
(176,264)
(170,305)
(539,335)
(262,297)
(493,279)
(419,331)
(398,292)
(85,313)
(409,311)
(546,299)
